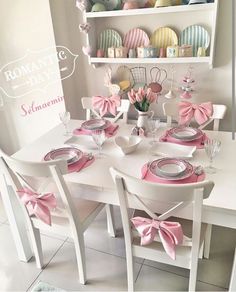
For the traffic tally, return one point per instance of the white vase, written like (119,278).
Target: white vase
(143,117)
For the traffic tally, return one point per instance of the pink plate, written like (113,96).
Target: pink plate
(70,154)
(185,133)
(187,169)
(136,37)
(95,124)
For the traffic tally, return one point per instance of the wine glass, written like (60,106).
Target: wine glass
(65,118)
(99,138)
(212,147)
(153,125)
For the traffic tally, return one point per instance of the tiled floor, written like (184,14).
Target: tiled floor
(106,266)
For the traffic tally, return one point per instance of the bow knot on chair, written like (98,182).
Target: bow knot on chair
(106,104)
(38,204)
(201,112)
(170,233)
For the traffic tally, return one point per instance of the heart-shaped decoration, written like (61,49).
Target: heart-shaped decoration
(87,50)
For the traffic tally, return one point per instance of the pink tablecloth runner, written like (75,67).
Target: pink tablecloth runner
(152,178)
(110,131)
(199,143)
(79,165)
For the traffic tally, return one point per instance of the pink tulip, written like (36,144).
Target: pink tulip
(141,91)
(151,96)
(131,96)
(139,97)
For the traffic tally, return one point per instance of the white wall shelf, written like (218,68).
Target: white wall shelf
(177,17)
(149,11)
(150,60)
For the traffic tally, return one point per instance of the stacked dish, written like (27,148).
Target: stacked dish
(171,168)
(69,153)
(95,124)
(185,134)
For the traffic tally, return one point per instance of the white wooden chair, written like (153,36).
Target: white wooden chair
(171,110)
(72,216)
(122,111)
(172,198)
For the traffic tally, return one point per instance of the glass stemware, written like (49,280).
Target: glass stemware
(153,125)
(65,118)
(212,147)
(99,138)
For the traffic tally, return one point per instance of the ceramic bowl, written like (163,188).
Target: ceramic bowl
(127,144)
(197,2)
(163,3)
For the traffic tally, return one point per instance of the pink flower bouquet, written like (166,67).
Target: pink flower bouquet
(142,98)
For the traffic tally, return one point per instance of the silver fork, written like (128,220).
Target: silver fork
(198,171)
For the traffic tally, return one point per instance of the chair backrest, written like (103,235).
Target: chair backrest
(47,176)
(170,197)
(139,75)
(171,111)
(122,110)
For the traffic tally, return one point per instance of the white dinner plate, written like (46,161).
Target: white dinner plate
(185,133)
(171,167)
(95,124)
(69,153)
(154,169)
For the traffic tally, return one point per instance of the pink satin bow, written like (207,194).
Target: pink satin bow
(106,104)
(201,112)
(38,204)
(171,233)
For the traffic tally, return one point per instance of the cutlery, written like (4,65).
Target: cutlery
(198,171)
(144,174)
(87,157)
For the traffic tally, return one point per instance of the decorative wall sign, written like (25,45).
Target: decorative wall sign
(36,70)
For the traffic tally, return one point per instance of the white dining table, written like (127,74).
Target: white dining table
(219,208)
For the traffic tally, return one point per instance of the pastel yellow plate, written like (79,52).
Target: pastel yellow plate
(163,37)
(125,84)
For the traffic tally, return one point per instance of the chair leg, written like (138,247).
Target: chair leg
(232,285)
(110,220)
(193,277)
(207,241)
(200,255)
(80,256)
(130,269)
(36,246)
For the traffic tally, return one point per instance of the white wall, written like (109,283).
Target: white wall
(26,24)
(214,85)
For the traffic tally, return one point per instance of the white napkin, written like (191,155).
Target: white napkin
(172,150)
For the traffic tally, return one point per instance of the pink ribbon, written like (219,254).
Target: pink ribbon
(38,204)
(106,104)
(201,112)
(171,233)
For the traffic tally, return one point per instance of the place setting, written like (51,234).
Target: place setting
(187,136)
(91,125)
(76,159)
(172,171)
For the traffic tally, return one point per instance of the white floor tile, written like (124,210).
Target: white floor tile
(16,275)
(104,242)
(152,279)
(217,269)
(104,272)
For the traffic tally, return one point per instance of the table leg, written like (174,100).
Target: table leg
(232,285)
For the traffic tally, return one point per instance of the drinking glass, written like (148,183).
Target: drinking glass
(65,118)
(212,147)
(153,125)
(99,138)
